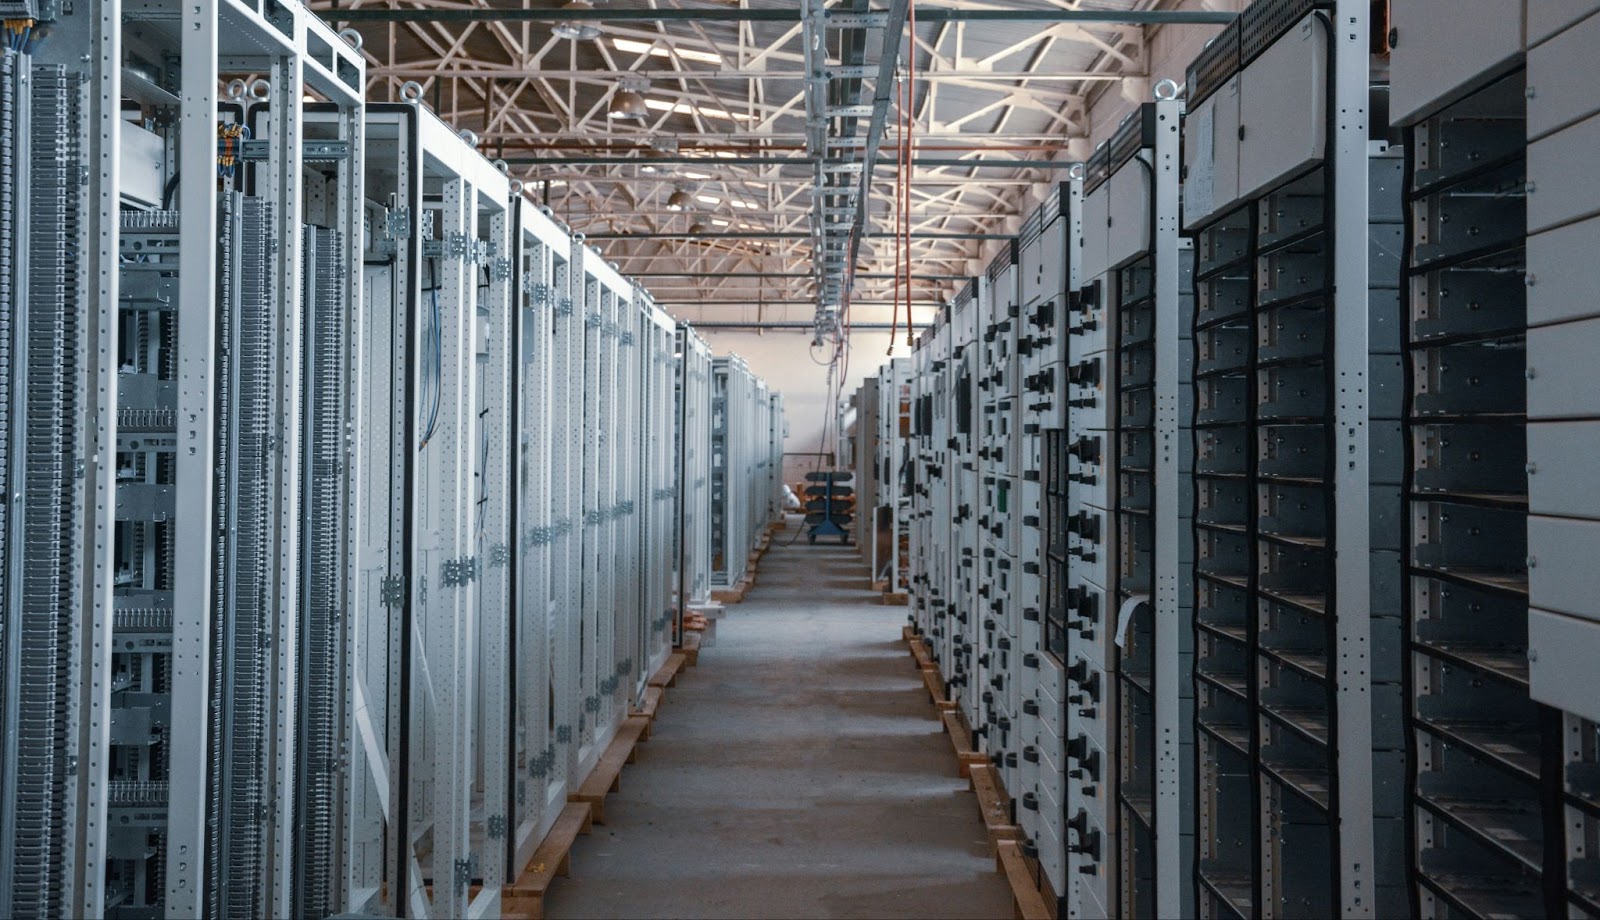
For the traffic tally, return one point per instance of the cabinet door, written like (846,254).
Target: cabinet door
(1129,232)
(1428,68)
(1283,126)
(1211,156)
(1096,214)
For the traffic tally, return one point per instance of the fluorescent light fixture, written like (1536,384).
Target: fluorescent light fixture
(655,50)
(683,108)
(695,175)
(709,199)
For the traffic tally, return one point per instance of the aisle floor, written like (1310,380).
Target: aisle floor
(799,771)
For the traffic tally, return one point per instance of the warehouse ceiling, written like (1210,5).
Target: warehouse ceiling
(781,123)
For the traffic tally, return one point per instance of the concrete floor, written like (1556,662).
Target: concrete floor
(797,772)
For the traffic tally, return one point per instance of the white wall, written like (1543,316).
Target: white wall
(783,359)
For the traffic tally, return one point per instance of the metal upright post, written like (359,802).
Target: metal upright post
(196,466)
(1351,479)
(1170,629)
(104,138)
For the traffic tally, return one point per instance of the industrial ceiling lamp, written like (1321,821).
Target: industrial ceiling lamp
(679,200)
(577,30)
(628,104)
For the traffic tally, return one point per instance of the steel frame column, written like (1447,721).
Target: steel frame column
(1351,473)
(1173,887)
(196,462)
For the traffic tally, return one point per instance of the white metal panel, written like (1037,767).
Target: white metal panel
(1283,128)
(1547,17)
(1558,193)
(1093,246)
(1128,229)
(1562,576)
(1559,482)
(1561,654)
(1428,66)
(1561,78)
(1560,370)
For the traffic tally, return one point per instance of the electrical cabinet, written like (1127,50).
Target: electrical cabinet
(347,522)
(1501,718)
(891,472)
(741,435)
(1295,482)
(693,483)
(1050,259)
(864,447)
(1129,637)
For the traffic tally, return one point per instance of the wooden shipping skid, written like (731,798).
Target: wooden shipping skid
(1031,892)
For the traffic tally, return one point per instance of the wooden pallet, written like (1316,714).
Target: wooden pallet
(524,898)
(606,777)
(648,707)
(992,805)
(667,674)
(935,685)
(691,647)
(734,594)
(1029,903)
(966,757)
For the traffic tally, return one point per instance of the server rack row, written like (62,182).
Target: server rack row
(884,405)
(347,481)
(1498,417)
(861,432)
(747,431)
(1314,426)
(694,471)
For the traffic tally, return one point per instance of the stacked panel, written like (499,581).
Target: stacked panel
(1295,269)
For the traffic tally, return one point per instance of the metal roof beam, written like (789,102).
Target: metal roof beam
(874,276)
(789,235)
(806,162)
(843,19)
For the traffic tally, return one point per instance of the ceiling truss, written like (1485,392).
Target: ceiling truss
(779,120)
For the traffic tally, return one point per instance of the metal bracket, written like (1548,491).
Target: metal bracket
(626,338)
(564,308)
(856,20)
(457,572)
(396,227)
(500,269)
(499,554)
(564,734)
(314,151)
(392,590)
(464,872)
